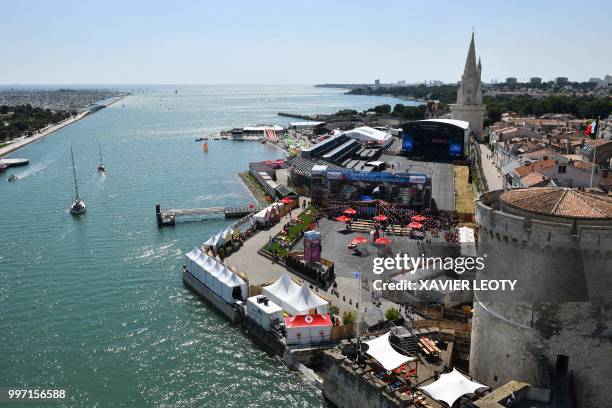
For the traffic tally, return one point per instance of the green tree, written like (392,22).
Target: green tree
(383,109)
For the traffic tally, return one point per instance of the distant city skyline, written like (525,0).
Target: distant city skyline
(277,42)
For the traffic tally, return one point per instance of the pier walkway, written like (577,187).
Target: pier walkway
(168,216)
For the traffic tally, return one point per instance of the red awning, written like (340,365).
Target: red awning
(415,225)
(350,211)
(315,320)
(419,218)
(382,241)
(343,218)
(286,200)
(381,218)
(359,240)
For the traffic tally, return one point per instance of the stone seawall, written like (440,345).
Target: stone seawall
(210,296)
(347,387)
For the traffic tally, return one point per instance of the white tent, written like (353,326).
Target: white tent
(209,265)
(209,242)
(382,351)
(450,387)
(283,288)
(225,292)
(368,134)
(190,258)
(236,282)
(264,215)
(219,239)
(260,217)
(228,233)
(200,262)
(303,301)
(216,271)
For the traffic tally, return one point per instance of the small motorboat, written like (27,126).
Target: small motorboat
(201,139)
(12,177)
(3,167)
(264,141)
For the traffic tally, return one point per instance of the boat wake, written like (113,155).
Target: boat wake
(37,168)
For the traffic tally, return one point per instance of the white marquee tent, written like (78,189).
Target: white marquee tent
(303,301)
(450,387)
(382,351)
(190,259)
(368,134)
(283,288)
(264,215)
(214,275)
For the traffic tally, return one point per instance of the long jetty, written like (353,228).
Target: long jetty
(167,216)
(300,116)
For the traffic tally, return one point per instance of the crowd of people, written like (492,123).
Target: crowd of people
(441,223)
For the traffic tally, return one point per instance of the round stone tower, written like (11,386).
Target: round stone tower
(555,329)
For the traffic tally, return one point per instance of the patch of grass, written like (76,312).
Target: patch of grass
(255,187)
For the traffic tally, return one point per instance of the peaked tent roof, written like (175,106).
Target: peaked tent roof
(235,280)
(450,387)
(225,274)
(382,351)
(201,259)
(305,299)
(284,287)
(193,254)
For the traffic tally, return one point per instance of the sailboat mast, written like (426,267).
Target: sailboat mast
(100,147)
(76,187)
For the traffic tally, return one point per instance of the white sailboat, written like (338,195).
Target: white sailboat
(101,167)
(78,206)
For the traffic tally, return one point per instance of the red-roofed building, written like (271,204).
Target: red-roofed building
(308,329)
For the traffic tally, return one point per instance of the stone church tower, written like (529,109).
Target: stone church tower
(469,105)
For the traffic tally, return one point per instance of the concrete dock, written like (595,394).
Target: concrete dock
(14,162)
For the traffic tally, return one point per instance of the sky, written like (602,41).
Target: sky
(298,42)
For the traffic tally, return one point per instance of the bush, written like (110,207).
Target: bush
(333,310)
(392,313)
(349,317)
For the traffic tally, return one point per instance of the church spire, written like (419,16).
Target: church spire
(470,62)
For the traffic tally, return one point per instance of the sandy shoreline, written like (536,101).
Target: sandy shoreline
(47,131)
